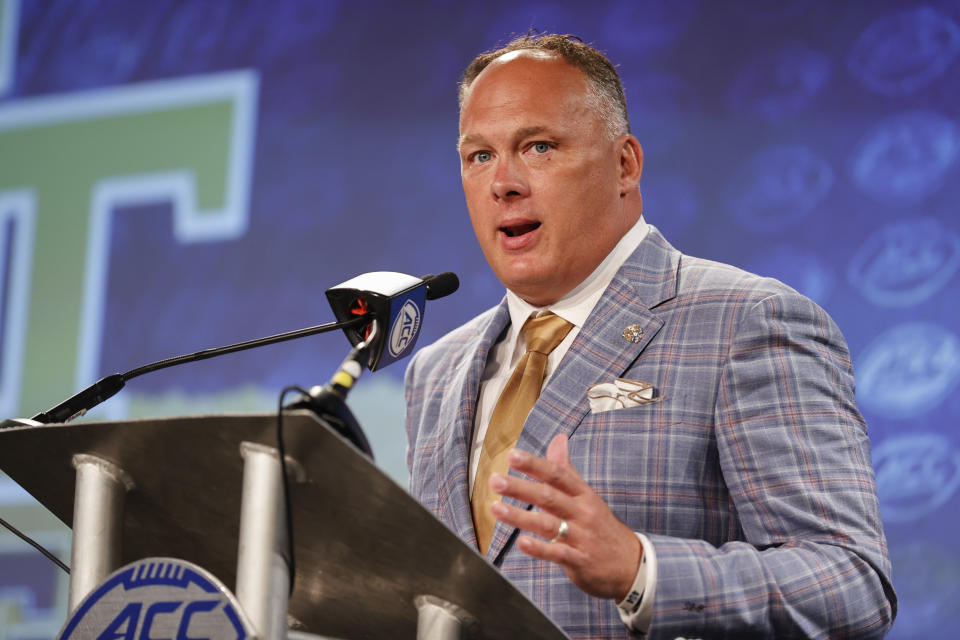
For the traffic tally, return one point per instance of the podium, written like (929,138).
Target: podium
(370,562)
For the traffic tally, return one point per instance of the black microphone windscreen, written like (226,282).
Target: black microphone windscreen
(441,285)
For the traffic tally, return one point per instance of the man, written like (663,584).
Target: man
(717,481)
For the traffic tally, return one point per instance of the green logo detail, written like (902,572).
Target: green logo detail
(66,163)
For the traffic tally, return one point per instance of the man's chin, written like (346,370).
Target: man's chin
(539,290)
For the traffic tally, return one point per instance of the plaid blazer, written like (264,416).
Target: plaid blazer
(752,477)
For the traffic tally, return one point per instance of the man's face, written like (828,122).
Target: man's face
(542,178)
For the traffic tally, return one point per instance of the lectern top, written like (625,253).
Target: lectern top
(365,549)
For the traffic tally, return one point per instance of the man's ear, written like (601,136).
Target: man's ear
(631,163)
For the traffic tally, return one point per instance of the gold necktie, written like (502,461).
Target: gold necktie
(542,335)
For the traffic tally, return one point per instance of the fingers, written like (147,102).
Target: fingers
(543,495)
(554,470)
(563,554)
(558,451)
(556,480)
(597,552)
(542,524)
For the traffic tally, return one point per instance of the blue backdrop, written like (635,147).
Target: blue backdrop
(810,140)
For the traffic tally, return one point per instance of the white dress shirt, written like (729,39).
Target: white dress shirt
(574,307)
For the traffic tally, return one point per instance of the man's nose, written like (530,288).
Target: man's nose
(509,180)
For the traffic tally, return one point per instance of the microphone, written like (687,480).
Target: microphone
(362,306)
(442,285)
(396,302)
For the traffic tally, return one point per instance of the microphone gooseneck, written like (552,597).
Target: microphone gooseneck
(103,389)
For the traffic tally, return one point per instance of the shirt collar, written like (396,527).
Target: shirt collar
(576,305)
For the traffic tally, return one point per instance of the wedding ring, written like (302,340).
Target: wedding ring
(562,531)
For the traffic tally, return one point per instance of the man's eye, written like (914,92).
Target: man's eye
(481,156)
(541,147)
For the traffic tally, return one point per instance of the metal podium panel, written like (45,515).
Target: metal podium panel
(365,549)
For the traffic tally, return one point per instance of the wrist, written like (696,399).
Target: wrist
(628,579)
(630,602)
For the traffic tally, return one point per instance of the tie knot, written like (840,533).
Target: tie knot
(545,332)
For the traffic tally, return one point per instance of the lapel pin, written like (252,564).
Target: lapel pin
(633,333)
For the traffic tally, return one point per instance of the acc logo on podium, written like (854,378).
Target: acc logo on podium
(159,598)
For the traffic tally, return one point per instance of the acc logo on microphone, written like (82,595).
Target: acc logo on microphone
(405,328)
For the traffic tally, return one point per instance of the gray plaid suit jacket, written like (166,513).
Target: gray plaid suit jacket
(752,478)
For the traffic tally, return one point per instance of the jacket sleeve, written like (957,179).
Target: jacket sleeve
(794,453)
(414,399)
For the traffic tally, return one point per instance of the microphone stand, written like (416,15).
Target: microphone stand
(328,402)
(78,404)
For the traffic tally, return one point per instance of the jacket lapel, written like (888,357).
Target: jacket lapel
(600,352)
(458,409)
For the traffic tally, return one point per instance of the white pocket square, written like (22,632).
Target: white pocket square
(620,394)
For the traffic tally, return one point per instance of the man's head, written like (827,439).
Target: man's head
(550,177)
(605,91)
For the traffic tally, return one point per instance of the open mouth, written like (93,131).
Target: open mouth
(519,229)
